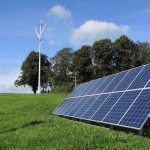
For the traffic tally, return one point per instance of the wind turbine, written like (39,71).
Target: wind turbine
(39,35)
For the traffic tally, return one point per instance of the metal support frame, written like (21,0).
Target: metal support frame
(141,131)
(111,127)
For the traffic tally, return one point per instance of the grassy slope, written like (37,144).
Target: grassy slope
(26,123)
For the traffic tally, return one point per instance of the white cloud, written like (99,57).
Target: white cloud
(93,30)
(59,12)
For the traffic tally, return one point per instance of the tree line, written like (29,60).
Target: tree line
(103,58)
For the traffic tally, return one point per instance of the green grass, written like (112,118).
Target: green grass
(26,122)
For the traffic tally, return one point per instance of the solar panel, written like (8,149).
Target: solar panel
(107,105)
(138,112)
(104,85)
(72,105)
(91,110)
(121,99)
(82,110)
(128,79)
(121,107)
(142,78)
(116,81)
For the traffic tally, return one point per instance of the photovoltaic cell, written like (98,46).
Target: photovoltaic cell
(60,106)
(97,84)
(91,110)
(74,103)
(139,111)
(78,106)
(85,106)
(103,110)
(105,84)
(148,85)
(90,84)
(142,78)
(115,82)
(121,107)
(66,106)
(83,86)
(128,79)
(73,93)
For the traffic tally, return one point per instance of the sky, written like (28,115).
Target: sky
(69,23)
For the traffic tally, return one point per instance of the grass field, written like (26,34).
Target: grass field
(26,122)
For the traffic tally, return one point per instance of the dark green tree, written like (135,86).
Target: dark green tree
(61,64)
(29,71)
(102,55)
(82,63)
(144,49)
(126,54)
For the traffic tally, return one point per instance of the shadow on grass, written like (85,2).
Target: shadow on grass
(32,123)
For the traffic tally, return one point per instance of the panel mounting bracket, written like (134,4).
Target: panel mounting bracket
(140,131)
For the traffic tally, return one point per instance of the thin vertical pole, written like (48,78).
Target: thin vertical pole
(39,75)
(39,35)
(75,80)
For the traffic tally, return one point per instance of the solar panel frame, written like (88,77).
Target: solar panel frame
(132,74)
(78,106)
(142,108)
(137,83)
(124,91)
(105,78)
(94,104)
(62,107)
(148,85)
(84,84)
(102,92)
(60,112)
(105,84)
(75,90)
(132,104)
(118,78)
(70,107)
(64,113)
(98,94)
(90,101)
(88,84)
(97,81)
(108,103)
(122,105)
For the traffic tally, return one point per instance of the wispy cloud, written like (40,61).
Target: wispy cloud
(93,30)
(86,33)
(59,12)
(59,25)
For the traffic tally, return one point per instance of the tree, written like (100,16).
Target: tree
(82,63)
(61,63)
(126,54)
(102,54)
(144,49)
(29,71)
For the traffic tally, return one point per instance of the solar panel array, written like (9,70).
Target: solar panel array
(121,99)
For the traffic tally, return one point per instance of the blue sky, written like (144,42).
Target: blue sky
(69,24)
